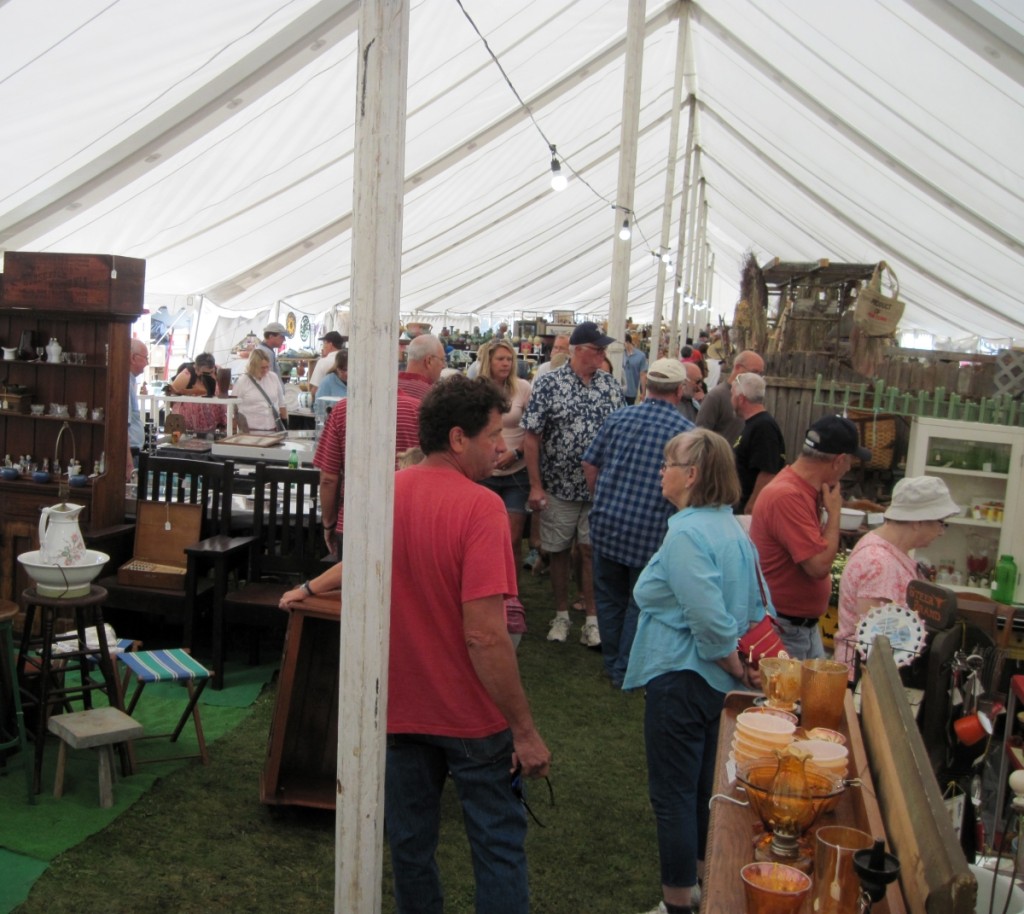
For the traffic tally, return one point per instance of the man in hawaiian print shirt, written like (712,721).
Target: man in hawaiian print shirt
(565,410)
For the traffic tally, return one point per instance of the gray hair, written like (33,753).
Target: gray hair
(810,453)
(751,386)
(422,347)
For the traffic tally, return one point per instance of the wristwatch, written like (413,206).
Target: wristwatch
(306,587)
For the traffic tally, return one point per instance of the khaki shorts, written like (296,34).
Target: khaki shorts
(561,522)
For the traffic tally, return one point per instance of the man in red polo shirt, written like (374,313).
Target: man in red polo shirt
(795,528)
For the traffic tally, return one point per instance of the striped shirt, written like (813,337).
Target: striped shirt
(330,449)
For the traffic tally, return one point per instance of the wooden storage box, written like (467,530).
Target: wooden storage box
(93,283)
(159,558)
(15,403)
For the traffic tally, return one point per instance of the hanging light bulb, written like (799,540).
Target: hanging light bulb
(558,180)
(625,233)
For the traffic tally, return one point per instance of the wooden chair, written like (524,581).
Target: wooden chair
(287,550)
(179,481)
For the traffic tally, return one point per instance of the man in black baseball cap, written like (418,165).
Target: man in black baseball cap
(795,527)
(835,435)
(332,341)
(589,334)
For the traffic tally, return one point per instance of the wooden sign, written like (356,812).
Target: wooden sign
(936,605)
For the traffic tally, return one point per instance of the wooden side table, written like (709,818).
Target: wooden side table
(36,661)
(302,752)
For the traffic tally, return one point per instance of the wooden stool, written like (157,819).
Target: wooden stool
(15,739)
(94,729)
(36,661)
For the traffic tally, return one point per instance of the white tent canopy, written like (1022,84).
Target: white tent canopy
(216,140)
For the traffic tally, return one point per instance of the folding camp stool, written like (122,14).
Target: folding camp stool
(172,665)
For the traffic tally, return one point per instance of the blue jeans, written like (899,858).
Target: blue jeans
(681,718)
(617,612)
(513,489)
(801,642)
(495,820)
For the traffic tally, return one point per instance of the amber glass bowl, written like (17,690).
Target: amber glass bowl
(756,777)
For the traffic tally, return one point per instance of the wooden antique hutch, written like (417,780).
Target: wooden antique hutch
(87,302)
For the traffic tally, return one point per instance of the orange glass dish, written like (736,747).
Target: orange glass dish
(789,809)
(774,888)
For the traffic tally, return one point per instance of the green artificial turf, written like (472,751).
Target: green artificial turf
(199,839)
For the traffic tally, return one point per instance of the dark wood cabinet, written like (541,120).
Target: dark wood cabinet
(87,302)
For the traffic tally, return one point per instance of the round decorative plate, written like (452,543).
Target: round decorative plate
(900,625)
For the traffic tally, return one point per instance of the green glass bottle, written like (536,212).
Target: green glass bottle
(1004,581)
(293,460)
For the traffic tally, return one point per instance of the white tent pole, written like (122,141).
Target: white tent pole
(691,234)
(664,271)
(710,282)
(677,285)
(622,250)
(697,200)
(702,259)
(369,506)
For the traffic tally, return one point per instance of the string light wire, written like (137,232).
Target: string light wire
(631,218)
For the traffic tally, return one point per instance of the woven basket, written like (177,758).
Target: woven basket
(877,314)
(878,434)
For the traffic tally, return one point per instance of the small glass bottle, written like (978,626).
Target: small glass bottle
(293,460)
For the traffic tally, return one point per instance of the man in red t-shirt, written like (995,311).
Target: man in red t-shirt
(456,707)
(795,528)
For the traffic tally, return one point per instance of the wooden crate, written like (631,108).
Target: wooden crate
(92,283)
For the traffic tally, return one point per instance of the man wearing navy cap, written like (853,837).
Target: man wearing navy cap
(567,407)
(795,528)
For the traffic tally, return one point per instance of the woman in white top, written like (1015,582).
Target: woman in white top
(250,388)
(509,479)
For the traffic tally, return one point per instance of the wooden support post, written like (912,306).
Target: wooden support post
(366,587)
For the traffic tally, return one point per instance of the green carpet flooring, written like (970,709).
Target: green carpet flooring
(33,834)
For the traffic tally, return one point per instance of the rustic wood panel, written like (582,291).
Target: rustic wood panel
(934,873)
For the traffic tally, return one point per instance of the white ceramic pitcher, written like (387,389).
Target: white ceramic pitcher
(60,539)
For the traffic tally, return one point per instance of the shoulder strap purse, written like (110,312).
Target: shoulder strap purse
(763,640)
(278,422)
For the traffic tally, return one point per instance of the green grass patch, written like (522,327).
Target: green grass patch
(199,839)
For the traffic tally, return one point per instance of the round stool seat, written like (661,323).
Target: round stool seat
(8,610)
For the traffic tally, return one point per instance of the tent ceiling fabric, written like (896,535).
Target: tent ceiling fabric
(215,140)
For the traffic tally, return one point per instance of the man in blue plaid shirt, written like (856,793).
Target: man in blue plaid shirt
(630,515)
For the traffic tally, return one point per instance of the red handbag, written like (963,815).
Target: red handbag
(763,640)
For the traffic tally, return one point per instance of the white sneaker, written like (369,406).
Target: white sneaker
(591,635)
(660,909)
(559,629)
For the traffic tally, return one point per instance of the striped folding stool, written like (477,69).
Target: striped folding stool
(172,665)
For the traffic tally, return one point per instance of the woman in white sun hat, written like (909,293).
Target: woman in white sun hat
(880,566)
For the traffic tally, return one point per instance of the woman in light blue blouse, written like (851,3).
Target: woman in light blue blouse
(697,596)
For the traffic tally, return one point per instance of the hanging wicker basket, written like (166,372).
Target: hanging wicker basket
(875,313)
